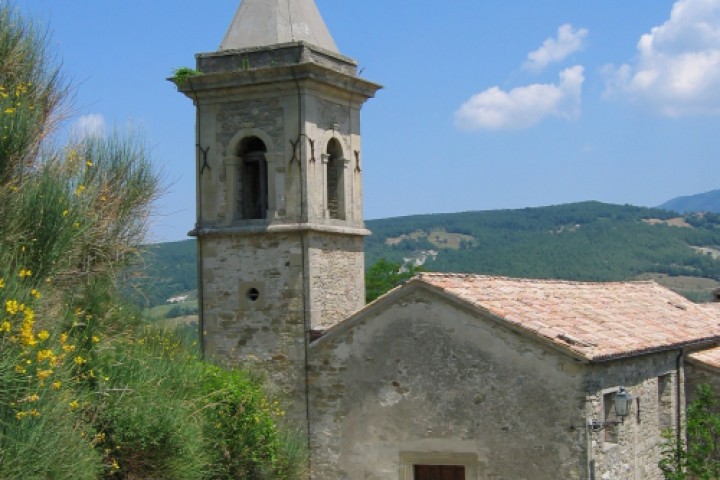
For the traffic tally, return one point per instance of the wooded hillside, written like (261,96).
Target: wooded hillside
(580,241)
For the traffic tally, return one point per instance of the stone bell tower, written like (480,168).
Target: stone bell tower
(279,193)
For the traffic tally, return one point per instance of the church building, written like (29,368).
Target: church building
(448,377)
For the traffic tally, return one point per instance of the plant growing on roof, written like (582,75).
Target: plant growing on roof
(182,74)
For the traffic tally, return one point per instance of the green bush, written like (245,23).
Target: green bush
(86,391)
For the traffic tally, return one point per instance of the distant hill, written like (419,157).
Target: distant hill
(167,270)
(702,202)
(589,241)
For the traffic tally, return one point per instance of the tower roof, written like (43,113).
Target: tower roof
(261,23)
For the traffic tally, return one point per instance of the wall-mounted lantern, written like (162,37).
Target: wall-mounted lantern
(623,403)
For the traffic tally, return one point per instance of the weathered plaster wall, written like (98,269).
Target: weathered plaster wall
(426,379)
(632,450)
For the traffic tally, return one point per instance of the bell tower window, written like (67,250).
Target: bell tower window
(335,181)
(253,179)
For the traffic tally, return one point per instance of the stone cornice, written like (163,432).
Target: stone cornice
(279,228)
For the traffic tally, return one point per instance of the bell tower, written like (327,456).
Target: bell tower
(279,226)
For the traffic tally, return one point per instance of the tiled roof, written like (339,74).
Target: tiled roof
(597,321)
(709,357)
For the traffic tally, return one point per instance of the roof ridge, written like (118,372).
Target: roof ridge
(534,280)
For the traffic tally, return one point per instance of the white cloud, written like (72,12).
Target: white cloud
(89,126)
(523,107)
(678,67)
(568,41)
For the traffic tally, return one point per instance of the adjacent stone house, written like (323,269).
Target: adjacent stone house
(447,377)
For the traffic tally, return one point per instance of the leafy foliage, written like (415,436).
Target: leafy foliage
(182,74)
(700,458)
(383,276)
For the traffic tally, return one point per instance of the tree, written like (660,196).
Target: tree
(700,458)
(384,275)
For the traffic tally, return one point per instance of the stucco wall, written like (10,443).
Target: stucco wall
(426,379)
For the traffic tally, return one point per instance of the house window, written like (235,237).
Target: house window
(611,431)
(253,179)
(438,472)
(335,180)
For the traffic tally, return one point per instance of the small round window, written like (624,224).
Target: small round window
(253,294)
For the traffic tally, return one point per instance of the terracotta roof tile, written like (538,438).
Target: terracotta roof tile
(598,321)
(709,357)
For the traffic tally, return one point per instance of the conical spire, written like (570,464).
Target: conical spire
(261,23)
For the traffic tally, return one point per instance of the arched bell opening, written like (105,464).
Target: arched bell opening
(253,179)
(335,180)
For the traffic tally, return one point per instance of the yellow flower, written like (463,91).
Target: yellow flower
(80,189)
(35,293)
(43,335)
(13,307)
(95,339)
(24,272)
(2,283)
(74,405)
(44,374)
(43,355)
(89,163)
(20,415)
(34,413)
(63,337)
(65,212)
(19,369)
(56,385)
(32,398)
(5,326)
(10,110)
(69,348)
(80,360)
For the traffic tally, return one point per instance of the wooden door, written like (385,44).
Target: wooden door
(439,472)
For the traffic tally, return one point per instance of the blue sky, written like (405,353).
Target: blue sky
(486,105)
